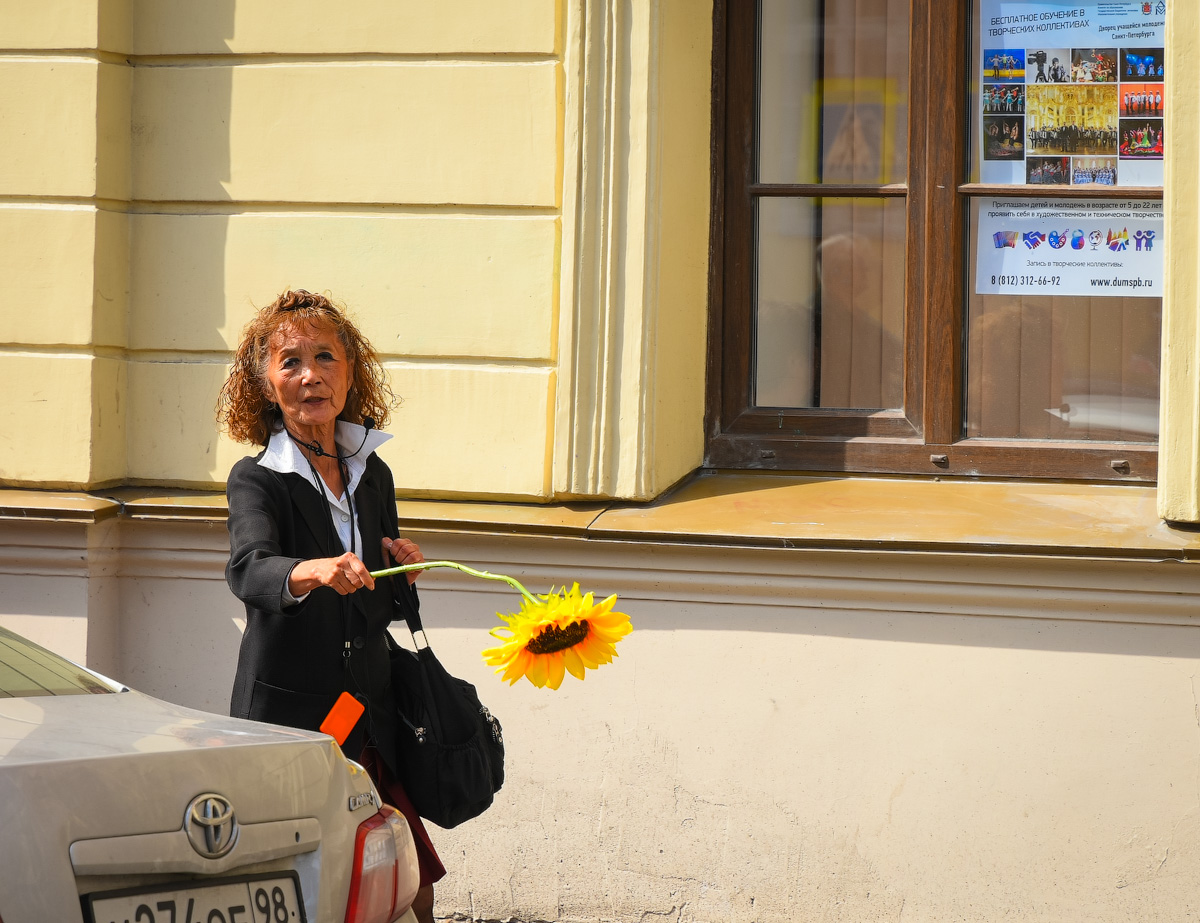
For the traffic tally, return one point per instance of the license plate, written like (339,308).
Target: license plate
(273,898)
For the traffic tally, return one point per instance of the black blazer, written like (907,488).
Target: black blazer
(295,662)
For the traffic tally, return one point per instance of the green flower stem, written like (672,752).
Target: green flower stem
(426,565)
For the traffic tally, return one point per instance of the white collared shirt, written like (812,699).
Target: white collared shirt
(283,455)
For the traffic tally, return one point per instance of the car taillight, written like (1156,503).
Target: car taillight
(383,883)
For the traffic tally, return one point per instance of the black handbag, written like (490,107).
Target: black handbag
(449,747)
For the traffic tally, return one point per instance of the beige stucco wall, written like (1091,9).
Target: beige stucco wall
(316,27)
(787,735)
(502,194)
(171,165)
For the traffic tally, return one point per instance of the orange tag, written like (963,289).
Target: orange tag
(342,717)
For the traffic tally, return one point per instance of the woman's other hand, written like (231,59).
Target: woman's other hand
(403,551)
(345,573)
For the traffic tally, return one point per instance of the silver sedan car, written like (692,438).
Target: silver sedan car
(120,808)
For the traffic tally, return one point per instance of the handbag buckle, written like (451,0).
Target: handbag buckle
(497,735)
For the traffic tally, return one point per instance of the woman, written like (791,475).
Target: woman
(309,518)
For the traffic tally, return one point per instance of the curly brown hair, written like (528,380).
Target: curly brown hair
(245,409)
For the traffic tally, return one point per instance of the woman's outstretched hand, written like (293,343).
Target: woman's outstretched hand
(345,573)
(402,551)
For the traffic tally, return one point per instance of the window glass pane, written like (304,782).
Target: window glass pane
(829,303)
(833,94)
(1063,367)
(27,669)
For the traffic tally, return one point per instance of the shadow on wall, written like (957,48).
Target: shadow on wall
(178,638)
(1037,630)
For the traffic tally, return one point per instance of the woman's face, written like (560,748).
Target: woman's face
(308,376)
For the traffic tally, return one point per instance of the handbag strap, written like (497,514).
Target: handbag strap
(403,593)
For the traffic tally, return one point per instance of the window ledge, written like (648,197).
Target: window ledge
(56,506)
(756,510)
(908,514)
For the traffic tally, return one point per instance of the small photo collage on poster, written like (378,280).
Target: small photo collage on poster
(1072,116)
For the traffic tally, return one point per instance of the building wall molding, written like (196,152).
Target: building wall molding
(617,321)
(1179,425)
(1013,586)
(598,159)
(1136,591)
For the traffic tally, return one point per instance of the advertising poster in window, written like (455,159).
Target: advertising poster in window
(1071,93)
(1070,247)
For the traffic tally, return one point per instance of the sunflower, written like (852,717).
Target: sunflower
(550,635)
(556,634)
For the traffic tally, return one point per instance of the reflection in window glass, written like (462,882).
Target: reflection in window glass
(1062,367)
(27,669)
(833,95)
(830,303)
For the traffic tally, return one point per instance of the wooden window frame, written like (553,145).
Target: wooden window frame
(926,437)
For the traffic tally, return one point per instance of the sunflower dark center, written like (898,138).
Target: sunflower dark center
(558,639)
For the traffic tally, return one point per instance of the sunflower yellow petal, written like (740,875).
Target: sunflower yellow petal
(608,619)
(610,632)
(589,654)
(554,669)
(517,667)
(573,662)
(536,671)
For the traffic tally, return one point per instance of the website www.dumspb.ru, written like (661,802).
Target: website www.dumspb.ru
(1122,283)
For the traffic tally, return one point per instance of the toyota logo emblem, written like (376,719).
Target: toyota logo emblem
(210,825)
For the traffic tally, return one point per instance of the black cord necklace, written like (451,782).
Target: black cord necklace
(343,470)
(343,601)
(316,449)
(326,495)
(327,502)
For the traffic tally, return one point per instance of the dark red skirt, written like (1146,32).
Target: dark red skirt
(392,792)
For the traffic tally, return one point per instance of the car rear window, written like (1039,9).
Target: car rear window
(27,669)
